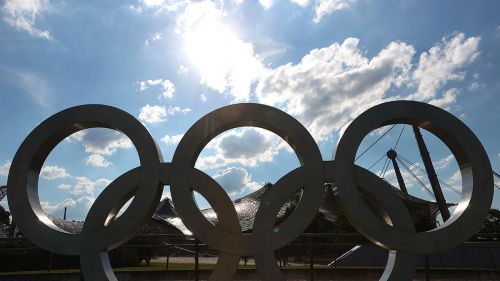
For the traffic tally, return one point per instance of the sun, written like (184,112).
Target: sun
(212,48)
(223,60)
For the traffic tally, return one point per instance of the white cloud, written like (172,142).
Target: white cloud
(85,186)
(183,70)
(203,98)
(155,37)
(168,88)
(411,182)
(225,63)
(64,186)
(22,15)
(102,141)
(445,162)
(153,3)
(152,114)
(51,208)
(166,194)
(96,160)
(143,85)
(456,180)
(449,97)
(158,5)
(247,147)
(327,7)
(270,50)
(322,8)
(53,172)
(175,139)
(266,3)
(156,113)
(409,179)
(235,181)
(77,208)
(302,3)
(474,86)
(443,63)
(80,200)
(31,84)
(4,169)
(173,110)
(330,86)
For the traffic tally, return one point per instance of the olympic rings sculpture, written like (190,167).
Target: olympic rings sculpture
(353,186)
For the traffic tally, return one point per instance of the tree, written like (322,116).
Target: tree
(4,217)
(491,226)
(492,222)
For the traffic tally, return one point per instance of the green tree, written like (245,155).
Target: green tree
(4,217)
(490,229)
(492,222)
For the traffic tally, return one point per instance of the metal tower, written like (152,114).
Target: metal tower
(436,188)
(392,154)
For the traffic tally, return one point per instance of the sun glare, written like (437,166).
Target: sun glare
(222,59)
(211,49)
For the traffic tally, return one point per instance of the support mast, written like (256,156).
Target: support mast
(392,155)
(436,188)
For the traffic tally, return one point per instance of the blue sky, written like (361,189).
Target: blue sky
(168,63)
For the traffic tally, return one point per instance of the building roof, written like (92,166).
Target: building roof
(246,208)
